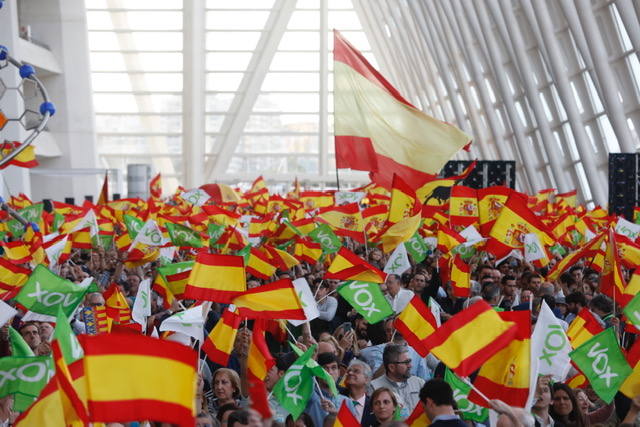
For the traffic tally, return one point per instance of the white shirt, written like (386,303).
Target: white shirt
(359,407)
(400,301)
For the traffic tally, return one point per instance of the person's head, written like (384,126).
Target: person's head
(484,271)
(251,284)
(543,395)
(46,330)
(509,286)
(583,401)
(388,328)
(568,281)
(491,294)
(535,281)
(322,291)
(243,418)
(204,420)
(304,420)
(394,284)
(358,374)
(133,281)
(418,283)
(526,296)
(397,362)
(361,327)
(575,301)
(565,405)
(576,273)
(226,385)
(94,299)
(601,305)
(327,347)
(384,404)
(283,362)
(30,334)
(224,411)
(437,398)
(546,288)
(329,362)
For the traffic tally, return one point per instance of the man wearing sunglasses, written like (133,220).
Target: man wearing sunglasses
(397,377)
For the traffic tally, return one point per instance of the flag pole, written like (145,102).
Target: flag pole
(466,380)
(337,178)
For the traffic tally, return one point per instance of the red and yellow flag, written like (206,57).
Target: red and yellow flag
(418,417)
(316,199)
(463,207)
(259,362)
(345,220)
(583,327)
(12,277)
(412,144)
(613,282)
(490,202)
(460,277)
(116,304)
(26,158)
(103,197)
(155,186)
(404,202)
(345,418)
(218,278)
(416,322)
(219,343)
(16,252)
(470,338)
(631,386)
(259,265)
(448,239)
(306,250)
(505,375)
(275,300)
(348,266)
(134,377)
(74,408)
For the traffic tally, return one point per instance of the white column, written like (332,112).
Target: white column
(193,92)
(323,122)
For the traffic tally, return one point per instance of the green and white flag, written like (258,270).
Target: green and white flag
(343,197)
(368,300)
(44,291)
(326,238)
(294,389)
(215,231)
(417,248)
(189,322)
(632,311)
(602,362)
(26,375)
(398,262)
(17,344)
(196,197)
(149,234)
(58,220)
(558,249)
(183,236)
(175,268)
(550,346)
(31,213)
(133,224)
(142,304)
(6,313)
(309,304)
(469,410)
(69,344)
(318,371)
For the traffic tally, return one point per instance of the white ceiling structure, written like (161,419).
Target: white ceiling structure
(218,90)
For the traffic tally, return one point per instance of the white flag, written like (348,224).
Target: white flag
(343,197)
(471,235)
(90,221)
(53,252)
(550,346)
(142,304)
(6,313)
(533,249)
(398,261)
(627,228)
(196,197)
(307,300)
(150,234)
(189,322)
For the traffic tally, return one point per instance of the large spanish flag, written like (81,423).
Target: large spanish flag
(219,343)
(404,202)
(418,417)
(583,327)
(631,386)
(460,277)
(275,300)
(348,266)
(345,418)
(345,220)
(505,376)
(490,203)
(377,130)
(134,377)
(306,250)
(259,362)
(470,338)
(259,265)
(416,322)
(217,278)
(463,207)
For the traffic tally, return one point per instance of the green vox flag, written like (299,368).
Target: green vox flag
(294,389)
(18,345)
(58,220)
(558,249)
(632,311)
(31,213)
(133,225)
(245,253)
(602,362)
(293,227)
(183,236)
(44,291)
(175,268)
(326,238)
(469,410)
(318,371)
(69,344)
(465,252)
(26,375)
(215,231)
(417,248)
(368,300)
(21,402)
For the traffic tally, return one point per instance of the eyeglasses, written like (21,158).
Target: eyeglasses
(404,362)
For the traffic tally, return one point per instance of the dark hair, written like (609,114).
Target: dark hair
(574,268)
(225,408)
(602,303)
(437,390)
(324,359)
(575,417)
(490,291)
(28,323)
(577,298)
(306,419)
(506,278)
(391,353)
(285,360)
(567,278)
(239,416)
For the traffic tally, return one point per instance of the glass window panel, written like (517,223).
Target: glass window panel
(283,102)
(143,61)
(240,4)
(276,165)
(128,103)
(209,144)
(570,142)
(103,41)
(161,82)
(282,123)
(344,20)
(299,40)
(223,81)
(622,31)
(307,4)
(291,82)
(609,135)
(99,20)
(157,41)
(229,40)
(228,61)
(218,102)
(138,4)
(304,20)
(111,82)
(95,4)
(286,61)
(584,184)
(153,20)
(134,123)
(233,20)
(258,144)
(214,122)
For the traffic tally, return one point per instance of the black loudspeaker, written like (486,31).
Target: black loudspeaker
(486,173)
(70,200)
(89,198)
(116,196)
(47,205)
(624,176)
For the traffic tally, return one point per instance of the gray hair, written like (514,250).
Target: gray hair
(391,354)
(366,369)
